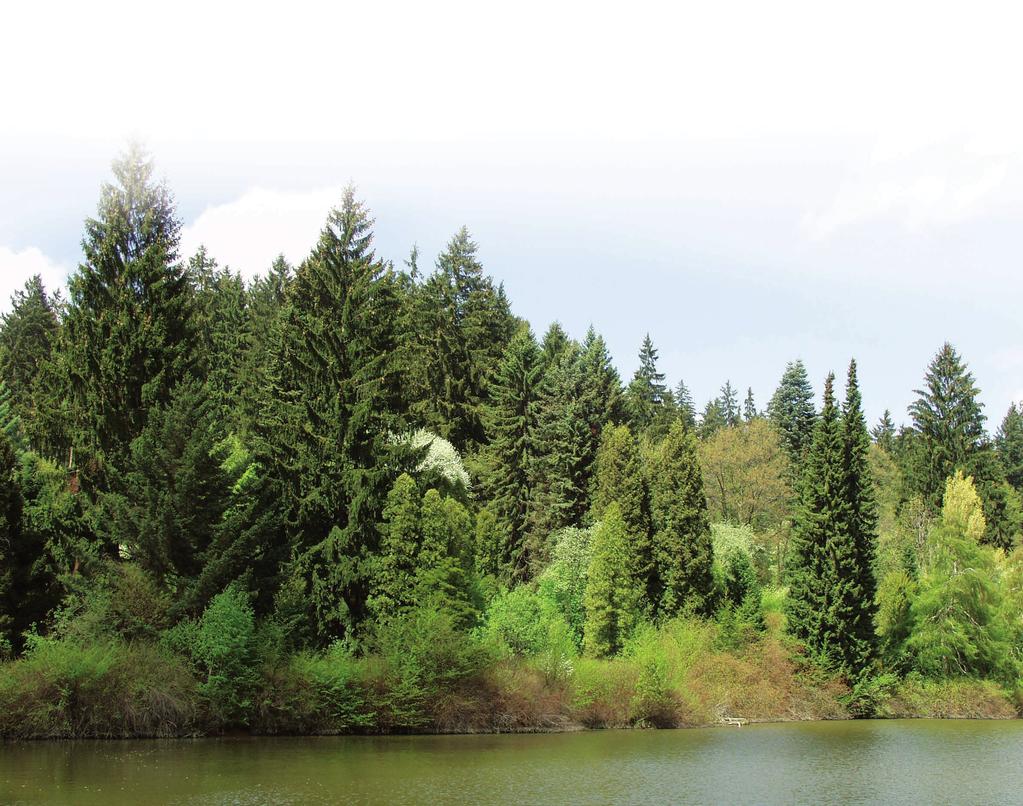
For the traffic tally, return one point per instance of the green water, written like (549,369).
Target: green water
(924,761)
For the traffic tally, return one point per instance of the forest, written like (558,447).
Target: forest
(358,496)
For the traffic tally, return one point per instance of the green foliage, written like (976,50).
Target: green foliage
(223,644)
(791,410)
(424,655)
(510,457)
(525,622)
(682,551)
(649,404)
(563,581)
(955,615)
(614,589)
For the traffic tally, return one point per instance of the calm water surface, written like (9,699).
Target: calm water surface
(919,761)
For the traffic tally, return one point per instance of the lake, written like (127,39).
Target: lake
(899,761)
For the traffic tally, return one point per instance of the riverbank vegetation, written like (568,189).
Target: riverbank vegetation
(355,497)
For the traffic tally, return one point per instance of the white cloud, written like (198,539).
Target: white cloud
(17,267)
(249,232)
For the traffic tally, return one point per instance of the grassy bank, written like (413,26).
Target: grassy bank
(428,677)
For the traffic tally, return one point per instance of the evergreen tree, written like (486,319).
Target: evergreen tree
(792,411)
(855,606)
(1009,443)
(949,420)
(685,405)
(682,551)
(335,408)
(646,395)
(749,407)
(949,423)
(713,419)
(395,568)
(729,404)
(29,335)
(600,399)
(613,595)
(27,582)
(821,527)
(512,452)
(10,422)
(129,320)
(884,432)
(462,326)
(555,342)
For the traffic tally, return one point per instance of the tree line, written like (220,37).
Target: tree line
(345,443)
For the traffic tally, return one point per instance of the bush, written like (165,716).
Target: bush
(104,689)
(424,658)
(223,644)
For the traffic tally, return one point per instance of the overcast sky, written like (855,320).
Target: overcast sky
(749,183)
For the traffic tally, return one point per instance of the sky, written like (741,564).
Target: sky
(749,183)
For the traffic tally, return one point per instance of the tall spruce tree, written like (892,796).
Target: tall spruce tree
(749,407)
(647,395)
(336,407)
(682,551)
(855,606)
(821,526)
(712,420)
(884,432)
(792,411)
(1009,443)
(685,405)
(729,402)
(129,326)
(463,323)
(29,334)
(512,452)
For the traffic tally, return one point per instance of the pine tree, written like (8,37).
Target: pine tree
(712,420)
(681,543)
(749,407)
(729,403)
(1009,443)
(619,479)
(129,319)
(600,399)
(685,405)
(613,597)
(821,526)
(949,420)
(792,411)
(29,335)
(884,432)
(10,422)
(395,567)
(512,452)
(646,395)
(855,608)
(949,423)
(462,326)
(336,404)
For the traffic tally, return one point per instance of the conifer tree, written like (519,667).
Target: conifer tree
(646,395)
(129,319)
(729,404)
(950,421)
(749,407)
(681,544)
(1009,443)
(613,596)
(463,325)
(855,606)
(512,452)
(685,405)
(792,411)
(395,568)
(821,526)
(712,420)
(336,405)
(29,335)
(884,432)
(599,398)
